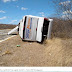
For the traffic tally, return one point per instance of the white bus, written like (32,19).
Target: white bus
(33,28)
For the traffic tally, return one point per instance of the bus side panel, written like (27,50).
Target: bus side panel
(34,28)
(39,29)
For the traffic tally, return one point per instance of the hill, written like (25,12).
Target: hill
(7,26)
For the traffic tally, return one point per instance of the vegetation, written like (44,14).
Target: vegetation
(62,24)
(7,26)
(62,28)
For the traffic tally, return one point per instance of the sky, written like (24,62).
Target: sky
(12,11)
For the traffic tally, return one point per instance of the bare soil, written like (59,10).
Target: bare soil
(54,52)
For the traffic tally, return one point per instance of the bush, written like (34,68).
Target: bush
(62,28)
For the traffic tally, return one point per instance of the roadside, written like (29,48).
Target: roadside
(54,52)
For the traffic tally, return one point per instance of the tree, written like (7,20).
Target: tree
(63,9)
(62,26)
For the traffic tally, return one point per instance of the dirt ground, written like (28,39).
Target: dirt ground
(54,52)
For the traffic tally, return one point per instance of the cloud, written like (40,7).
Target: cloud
(65,3)
(42,14)
(8,0)
(13,21)
(3,18)
(1,11)
(22,8)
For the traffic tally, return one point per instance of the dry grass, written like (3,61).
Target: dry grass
(54,52)
(6,52)
(62,29)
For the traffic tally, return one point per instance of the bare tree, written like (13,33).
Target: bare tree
(62,26)
(63,8)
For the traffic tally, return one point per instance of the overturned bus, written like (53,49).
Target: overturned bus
(33,28)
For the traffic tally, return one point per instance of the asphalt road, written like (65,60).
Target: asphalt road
(3,34)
